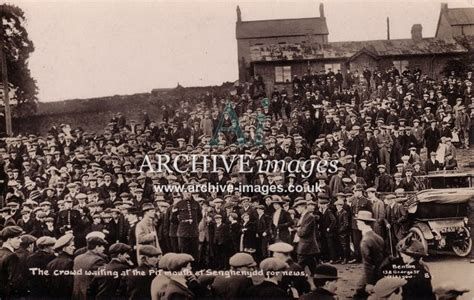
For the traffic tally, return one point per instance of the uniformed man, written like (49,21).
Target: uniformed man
(62,284)
(325,279)
(106,286)
(10,273)
(69,219)
(139,282)
(189,214)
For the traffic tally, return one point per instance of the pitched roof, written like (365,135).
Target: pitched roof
(282,27)
(461,16)
(426,46)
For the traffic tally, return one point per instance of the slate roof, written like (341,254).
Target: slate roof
(282,27)
(380,48)
(461,16)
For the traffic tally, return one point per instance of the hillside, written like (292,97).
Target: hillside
(92,114)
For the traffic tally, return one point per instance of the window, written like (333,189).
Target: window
(283,74)
(333,67)
(400,65)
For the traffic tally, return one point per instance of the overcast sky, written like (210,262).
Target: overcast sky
(100,48)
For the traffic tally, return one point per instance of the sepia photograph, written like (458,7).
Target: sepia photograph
(257,149)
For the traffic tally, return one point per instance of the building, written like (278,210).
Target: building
(455,22)
(280,61)
(279,32)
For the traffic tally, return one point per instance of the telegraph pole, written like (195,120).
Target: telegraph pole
(6,97)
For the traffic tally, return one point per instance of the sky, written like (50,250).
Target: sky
(87,49)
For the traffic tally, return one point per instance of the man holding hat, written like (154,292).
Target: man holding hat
(372,253)
(10,272)
(62,285)
(325,280)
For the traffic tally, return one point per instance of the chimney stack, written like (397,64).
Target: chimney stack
(321,10)
(416,32)
(239,14)
(444,6)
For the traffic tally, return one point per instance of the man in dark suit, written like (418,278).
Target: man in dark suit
(308,247)
(10,273)
(62,285)
(221,242)
(263,232)
(432,137)
(69,219)
(39,260)
(91,260)
(139,285)
(26,248)
(327,227)
(432,164)
(106,286)
(383,182)
(325,280)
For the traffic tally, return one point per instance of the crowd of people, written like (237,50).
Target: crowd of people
(79,206)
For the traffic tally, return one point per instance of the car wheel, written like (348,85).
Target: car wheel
(463,248)
(418,234)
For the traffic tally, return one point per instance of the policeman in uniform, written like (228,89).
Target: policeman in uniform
(69,219)
(188,213)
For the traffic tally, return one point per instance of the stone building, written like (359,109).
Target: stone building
(280,58)
(455,22)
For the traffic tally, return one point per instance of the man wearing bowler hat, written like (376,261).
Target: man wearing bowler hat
(327,227)
(372,248)
(325,280)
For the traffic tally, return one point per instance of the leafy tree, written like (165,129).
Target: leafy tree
(459,66)
(17,48)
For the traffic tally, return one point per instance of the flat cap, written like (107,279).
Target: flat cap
(11,232)
(273,264)
(148,250)
(119,248)
(28,239)
(93,234)
(387,285)
(63,241)
(45,241)
(177,261)
(242,259)
(280,247)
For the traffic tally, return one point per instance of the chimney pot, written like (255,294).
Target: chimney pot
(444,6)
(321,10)
(416,32)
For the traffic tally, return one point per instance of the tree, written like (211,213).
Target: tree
(459,66)
(17,48)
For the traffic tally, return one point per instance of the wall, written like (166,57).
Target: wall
(243,49)
(463,30)
(361,61)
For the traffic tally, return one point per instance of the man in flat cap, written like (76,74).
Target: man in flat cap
(272,268)
(325,279)
(91,260)
(139,282)
(62,284)
(234,286)
(145,230)
(39,260)
(388,288)
(106,286)
(10,273)
(27,245)
(358,202)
